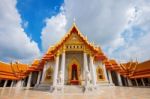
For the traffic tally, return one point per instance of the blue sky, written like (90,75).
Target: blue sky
(34,13)
(29,27)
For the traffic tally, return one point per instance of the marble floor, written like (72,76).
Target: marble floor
(109,92)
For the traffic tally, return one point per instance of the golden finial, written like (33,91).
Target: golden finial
(74,20)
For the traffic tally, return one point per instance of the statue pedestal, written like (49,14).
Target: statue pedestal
(89,88)
(57,89)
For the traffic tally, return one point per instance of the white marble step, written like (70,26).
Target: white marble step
(73,89)
(45,87)
(67,88)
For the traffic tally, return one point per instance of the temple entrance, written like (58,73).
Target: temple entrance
(74,74)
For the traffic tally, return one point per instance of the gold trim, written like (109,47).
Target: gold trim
(74,61)
(62,42)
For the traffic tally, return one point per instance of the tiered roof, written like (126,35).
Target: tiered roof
(142,70)
(16,71)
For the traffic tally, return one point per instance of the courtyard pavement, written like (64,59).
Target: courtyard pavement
(109,92)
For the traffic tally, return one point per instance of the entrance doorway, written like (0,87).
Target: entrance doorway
(74,75)
(74,72)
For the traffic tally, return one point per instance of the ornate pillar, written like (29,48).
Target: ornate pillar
(19,83)
(29,80)
(85,67)
(5,84)
(44,72)
(39,76)
(129,82)
(63,67)
(93,71)
(136,82)
(126,83)
(55,78)
(110,78)
(105,73)
(142,81)
(12,83)
(119,79)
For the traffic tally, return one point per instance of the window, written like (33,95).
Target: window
(100,73)
(49,74)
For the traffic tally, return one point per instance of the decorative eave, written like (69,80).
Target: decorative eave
(48,56)
(99,56)
(108,65)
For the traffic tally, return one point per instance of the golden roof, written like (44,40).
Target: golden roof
(143,66)
(74,29)
(16,70)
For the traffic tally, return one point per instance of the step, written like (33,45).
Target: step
(43,87)
(73,89)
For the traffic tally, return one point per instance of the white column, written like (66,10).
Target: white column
(105,73)
(93,71)
(44,72)
(12,83)
(126,82)
(110,78)
(5,84)
(142,81)
(63,67)
(23,81)
(85,67)
(56,71)
(29,80)
(19,83)
(129,82)
(136,82)
(39,76)
(119,79)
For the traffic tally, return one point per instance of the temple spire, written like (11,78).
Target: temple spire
(74,20)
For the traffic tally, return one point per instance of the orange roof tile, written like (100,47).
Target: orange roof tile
(13,70)
(143,66)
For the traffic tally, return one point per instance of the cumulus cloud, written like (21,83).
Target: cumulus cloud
(54,30)
(137,33)
(14,42)
(117,26)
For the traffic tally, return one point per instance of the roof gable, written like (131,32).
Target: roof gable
(74,36)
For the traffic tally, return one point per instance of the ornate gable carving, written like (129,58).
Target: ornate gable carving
(74,41)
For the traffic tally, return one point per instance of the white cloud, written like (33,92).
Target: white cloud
(105,22)
(14,42)
(54,30)
(137,44)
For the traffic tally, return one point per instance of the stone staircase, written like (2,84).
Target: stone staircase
(67,88)
(73,89)
(42,87)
